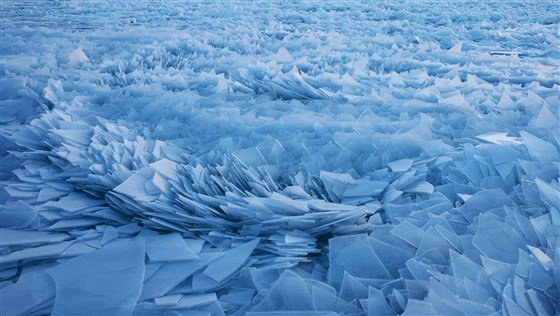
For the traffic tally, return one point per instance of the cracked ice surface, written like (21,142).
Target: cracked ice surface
(279,159)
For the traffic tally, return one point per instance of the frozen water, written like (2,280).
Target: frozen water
(279,158)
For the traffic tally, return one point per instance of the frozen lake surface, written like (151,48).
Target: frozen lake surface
(279,158)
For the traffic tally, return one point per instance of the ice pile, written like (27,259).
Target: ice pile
(302,159)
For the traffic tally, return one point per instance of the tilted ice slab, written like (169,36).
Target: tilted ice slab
(300,160)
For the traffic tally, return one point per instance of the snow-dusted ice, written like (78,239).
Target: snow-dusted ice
(289,158)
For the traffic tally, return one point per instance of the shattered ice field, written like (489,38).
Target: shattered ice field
(288,158)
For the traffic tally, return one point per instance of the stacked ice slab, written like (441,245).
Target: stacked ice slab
(280,159)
